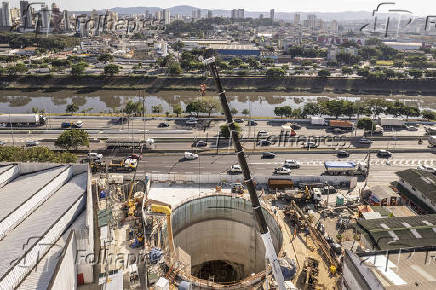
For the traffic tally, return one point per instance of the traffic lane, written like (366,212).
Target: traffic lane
(311,164)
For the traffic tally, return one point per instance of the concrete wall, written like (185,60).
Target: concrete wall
(222,228)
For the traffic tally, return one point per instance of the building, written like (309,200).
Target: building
(238,13)
(297,18)
(166,16)
(311,21)
(202,43)
(45,19)
(6,15)
(196,14)
(48,229)
(404,45)
(271,14)
(66,20)
(158,15)
(418,189)
(26,15)
(235,49)
(209,14)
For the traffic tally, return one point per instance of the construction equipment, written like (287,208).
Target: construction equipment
(131,201)
(165,209)
(310,269)
(257,209)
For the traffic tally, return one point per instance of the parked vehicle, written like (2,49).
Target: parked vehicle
(268,155)
(94,156)
(22,120)
(163,125)
(365,141)
(264,143)
(135,156)
(191,121)
(282,171)
(427,168)
(251,123)
(239,121)
(235,169)
(291,164)
(32,143)
(190,156)
(412,128)
(342,154)
(345,167)
(341,124)
(123,165)
(384,154)
(317,121)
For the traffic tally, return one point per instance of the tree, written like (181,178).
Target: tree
(105,57)
(275,73)
(347,70)
(245,112)
(77,69)
(366,124)
(335,108)
(111,69)
(415,73)
(224,130)
(411,112)
(210,105)
(234,111)
(428,115)
(349,109)
(157,109)
(72,108)
(174,68)
(377,106)
(278,111)
(73,138)
(235,62)
(177,109)
(311,109)
(195,107)
(21,68)
(323,73)
(133,107)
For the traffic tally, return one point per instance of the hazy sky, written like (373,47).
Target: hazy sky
(418,7)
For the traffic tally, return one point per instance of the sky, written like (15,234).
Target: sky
(417,7)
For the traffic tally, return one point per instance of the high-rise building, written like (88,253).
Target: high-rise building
(198,15)
(158,15)
(297,19)
(166,16)
(66,20)
(261,16)
(234,13)
(238,14)
(26,15)
(311,21)
(209,14)
(271,14)
(45,19)
(6,16)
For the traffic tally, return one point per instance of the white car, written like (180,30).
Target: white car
(235,169)
(426,168)
(262,133)
(411,128)
(191,121)
(94,156)
(190,156)
(291,164)
(282,171)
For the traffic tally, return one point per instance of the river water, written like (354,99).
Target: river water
(260,104)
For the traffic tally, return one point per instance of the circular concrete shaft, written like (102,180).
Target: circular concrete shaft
(222,238)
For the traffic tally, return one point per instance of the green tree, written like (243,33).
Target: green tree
(195,107)
(77,69)
(133,108)
(275,73)
(415,73)
(174,68)
(245,112)
(428,115)
(224,130)
(177,109)
(234,111)
(323,73)
(105,57)
(73,138)
(210,105)
(157,109)
(278,111)
(72,108)
(411,112)
(111,69)
(366,124)
(311,109)
(335,108)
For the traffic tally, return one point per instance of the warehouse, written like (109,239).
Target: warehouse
(235,49)
(44,227)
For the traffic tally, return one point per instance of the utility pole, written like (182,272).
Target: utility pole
(12,130)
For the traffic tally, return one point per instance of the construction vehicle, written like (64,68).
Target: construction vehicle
(345,167)
(166,210)
(307,195)
(237,188)
(311,271)
(117,165)
(257,208)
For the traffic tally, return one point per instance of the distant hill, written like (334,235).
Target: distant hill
(186,10)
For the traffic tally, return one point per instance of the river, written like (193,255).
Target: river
(260,104)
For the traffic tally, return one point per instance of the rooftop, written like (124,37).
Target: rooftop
(423,181)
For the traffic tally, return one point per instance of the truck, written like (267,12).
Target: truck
(115,165)
(22,120)
(319,121)
(391,122)
(430,130)
(341,124)
(345,168)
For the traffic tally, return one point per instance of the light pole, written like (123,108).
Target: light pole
(328,192)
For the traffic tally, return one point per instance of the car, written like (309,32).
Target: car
(251,123)
(135,157)
(32,143)
(384,154)
(365,141)
(310,144)
(295,126)
(412,128)
(264,143)
(190,156)
(78,124)
(2,143)
(191,121)
(200,143)
(291,164)
(163,125)
(262,134)
(342,154)
(282,171)
(94,156)
(268,155)
(235,169)
(65,125)
(427,168)
(121,120)
(239,121)
(338,131)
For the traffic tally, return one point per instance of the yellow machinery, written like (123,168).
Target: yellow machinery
(131,200)
(164,209)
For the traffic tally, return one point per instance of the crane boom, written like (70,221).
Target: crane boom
(257,209)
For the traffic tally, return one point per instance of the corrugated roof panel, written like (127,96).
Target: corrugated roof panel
(25,235)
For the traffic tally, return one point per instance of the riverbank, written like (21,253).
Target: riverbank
(288,85)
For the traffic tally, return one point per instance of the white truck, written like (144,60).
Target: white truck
(317,121)
(190,156)
(391,122)
(345,168)
(23,120)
